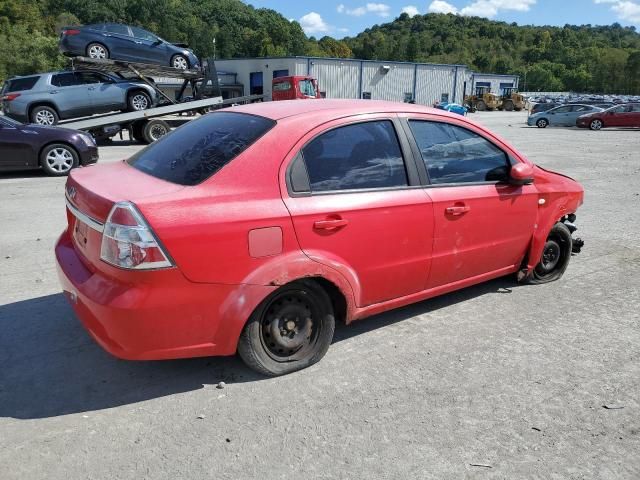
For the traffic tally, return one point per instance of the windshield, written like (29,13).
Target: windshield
(196,151)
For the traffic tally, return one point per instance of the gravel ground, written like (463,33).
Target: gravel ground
(497,381)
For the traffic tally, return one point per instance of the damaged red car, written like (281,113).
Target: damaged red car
(254,229)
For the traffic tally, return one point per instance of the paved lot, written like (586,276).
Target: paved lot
(511,377)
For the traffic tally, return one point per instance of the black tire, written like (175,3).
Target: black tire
(97,50)
(555,256)
(508,106)
(44,115)
(180,62)
(58,159)
(481,106)
(542,123)
(154,130)
(278,339)
(138,100)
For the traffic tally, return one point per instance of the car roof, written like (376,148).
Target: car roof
(298,108)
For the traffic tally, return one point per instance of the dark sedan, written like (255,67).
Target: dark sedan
(55,150)
(124,42)
(626,115)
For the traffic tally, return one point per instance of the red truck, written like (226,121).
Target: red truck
(298,87)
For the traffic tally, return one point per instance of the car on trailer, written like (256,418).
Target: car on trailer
(47,98)
(254,229)
(125,42)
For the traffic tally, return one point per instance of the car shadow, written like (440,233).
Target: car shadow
(49,366)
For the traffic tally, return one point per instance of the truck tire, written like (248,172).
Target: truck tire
(508,106)
(481,106)
(155,129)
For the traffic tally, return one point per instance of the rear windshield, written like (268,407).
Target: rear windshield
(197,150)
(20,84)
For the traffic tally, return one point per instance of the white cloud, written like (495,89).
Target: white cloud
(484,8)
(440,6)
(624,9)
(313,23)
(411,10)
(380,9)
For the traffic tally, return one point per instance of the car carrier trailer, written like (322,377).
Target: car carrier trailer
(146,126)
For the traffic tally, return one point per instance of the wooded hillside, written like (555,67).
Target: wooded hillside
(596,59)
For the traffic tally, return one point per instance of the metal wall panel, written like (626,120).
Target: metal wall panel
(338,78)
(388,84)
(434,80)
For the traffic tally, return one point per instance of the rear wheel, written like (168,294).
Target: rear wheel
(154,130)
(596,124)
(481,106)
(290,330)
(44,115)
(97,50)
(555,256)
(542,123)
(508,106)
(58,159)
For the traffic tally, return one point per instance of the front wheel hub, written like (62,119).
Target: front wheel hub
(550,256)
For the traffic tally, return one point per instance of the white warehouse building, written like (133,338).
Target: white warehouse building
(426,83)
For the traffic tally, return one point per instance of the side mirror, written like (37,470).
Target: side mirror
(521,174)
(156,43)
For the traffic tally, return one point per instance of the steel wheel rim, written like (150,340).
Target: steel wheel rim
(551,257)
(180,63)
(96,51)
(139,102)
(157,131)
(60,159)
(290,327)
(45,117)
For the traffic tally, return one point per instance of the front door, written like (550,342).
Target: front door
(357,206)
(560,116)
(482,224)
(104,94)
(149,47)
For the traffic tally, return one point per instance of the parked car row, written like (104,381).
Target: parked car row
(588,116)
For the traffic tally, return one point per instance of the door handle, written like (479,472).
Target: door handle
(91,88)
(53,92)
(457,209)
(330,224)
(139,43)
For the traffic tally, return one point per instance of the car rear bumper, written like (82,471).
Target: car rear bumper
(169,318)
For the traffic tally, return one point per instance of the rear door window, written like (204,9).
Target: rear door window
(116,28)
(359,156)
(454,154)
(197,150)
(21,84)
(67,79)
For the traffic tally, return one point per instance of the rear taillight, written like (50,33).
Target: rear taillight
(128,242)
(70,32)
(10,96)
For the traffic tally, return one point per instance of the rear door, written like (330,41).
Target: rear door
(577,111)
(483,225)
(69,94)
(119,41)
(614,117)
(357,206)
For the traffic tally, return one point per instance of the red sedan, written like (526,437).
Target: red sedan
(626,115)
(253,229)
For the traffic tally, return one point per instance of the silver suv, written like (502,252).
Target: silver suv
(46,98)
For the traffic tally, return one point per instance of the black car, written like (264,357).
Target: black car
(55,150)
(124,42)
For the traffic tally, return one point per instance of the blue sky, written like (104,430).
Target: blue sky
(340,18)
